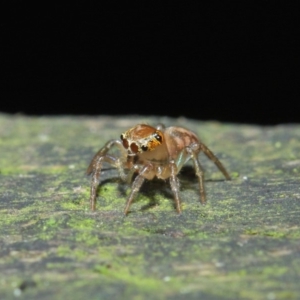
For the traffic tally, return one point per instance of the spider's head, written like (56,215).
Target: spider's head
(141,138)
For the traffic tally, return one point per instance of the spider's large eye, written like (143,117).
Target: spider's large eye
(124,141)
(134,148)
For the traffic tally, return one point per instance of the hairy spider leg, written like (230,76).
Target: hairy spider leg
(187,153)
(174,183)
(199,172)
(96,176)
(96,166)
(136,185)
(212,157)
(192,152)
(131,172)
(103,151)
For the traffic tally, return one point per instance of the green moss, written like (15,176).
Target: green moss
(86,238)
(240,245)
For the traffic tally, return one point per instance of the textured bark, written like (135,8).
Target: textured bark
(244,244)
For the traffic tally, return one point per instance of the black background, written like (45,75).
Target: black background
(227,61)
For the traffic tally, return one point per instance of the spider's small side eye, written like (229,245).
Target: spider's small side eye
(158,137)
(144,148)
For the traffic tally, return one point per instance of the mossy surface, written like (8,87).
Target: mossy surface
(244,244)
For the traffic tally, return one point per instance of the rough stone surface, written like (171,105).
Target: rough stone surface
(244,244)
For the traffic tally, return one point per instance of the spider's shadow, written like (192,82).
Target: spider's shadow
(188,180)
(148,189)
(188,172)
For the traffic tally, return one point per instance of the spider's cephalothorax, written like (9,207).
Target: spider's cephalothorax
(152,152)
(141,138)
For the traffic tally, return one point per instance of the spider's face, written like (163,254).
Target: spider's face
(141,138)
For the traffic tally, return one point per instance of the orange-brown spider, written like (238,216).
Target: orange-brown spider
(149,152)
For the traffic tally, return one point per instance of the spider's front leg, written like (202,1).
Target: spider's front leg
(96,166)
(136,185)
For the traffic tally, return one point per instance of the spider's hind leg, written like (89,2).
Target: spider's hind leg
(216,161)
(174,182)
(198,170)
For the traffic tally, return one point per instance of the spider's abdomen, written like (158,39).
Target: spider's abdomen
(178,138)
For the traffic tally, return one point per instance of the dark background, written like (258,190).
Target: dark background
(227,61)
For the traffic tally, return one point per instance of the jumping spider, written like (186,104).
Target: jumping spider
(149,152)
